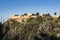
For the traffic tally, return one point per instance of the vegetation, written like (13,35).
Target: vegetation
(25,14)
(1,29)
(55,13)
(40,28)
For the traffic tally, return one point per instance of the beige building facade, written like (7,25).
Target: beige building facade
(22,18)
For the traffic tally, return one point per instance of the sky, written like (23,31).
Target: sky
(19,7)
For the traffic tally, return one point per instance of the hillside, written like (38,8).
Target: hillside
(33,27)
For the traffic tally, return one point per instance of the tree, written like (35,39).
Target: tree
(25,14)
(33,14)
(55,13)
(1,29)
(49,14)
(37,13)
(16,15)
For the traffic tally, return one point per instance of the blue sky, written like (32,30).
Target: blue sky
(10,7)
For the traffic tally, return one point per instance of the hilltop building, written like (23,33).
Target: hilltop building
(22,17)
(27,16)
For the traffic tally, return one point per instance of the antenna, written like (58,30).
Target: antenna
(1,19)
